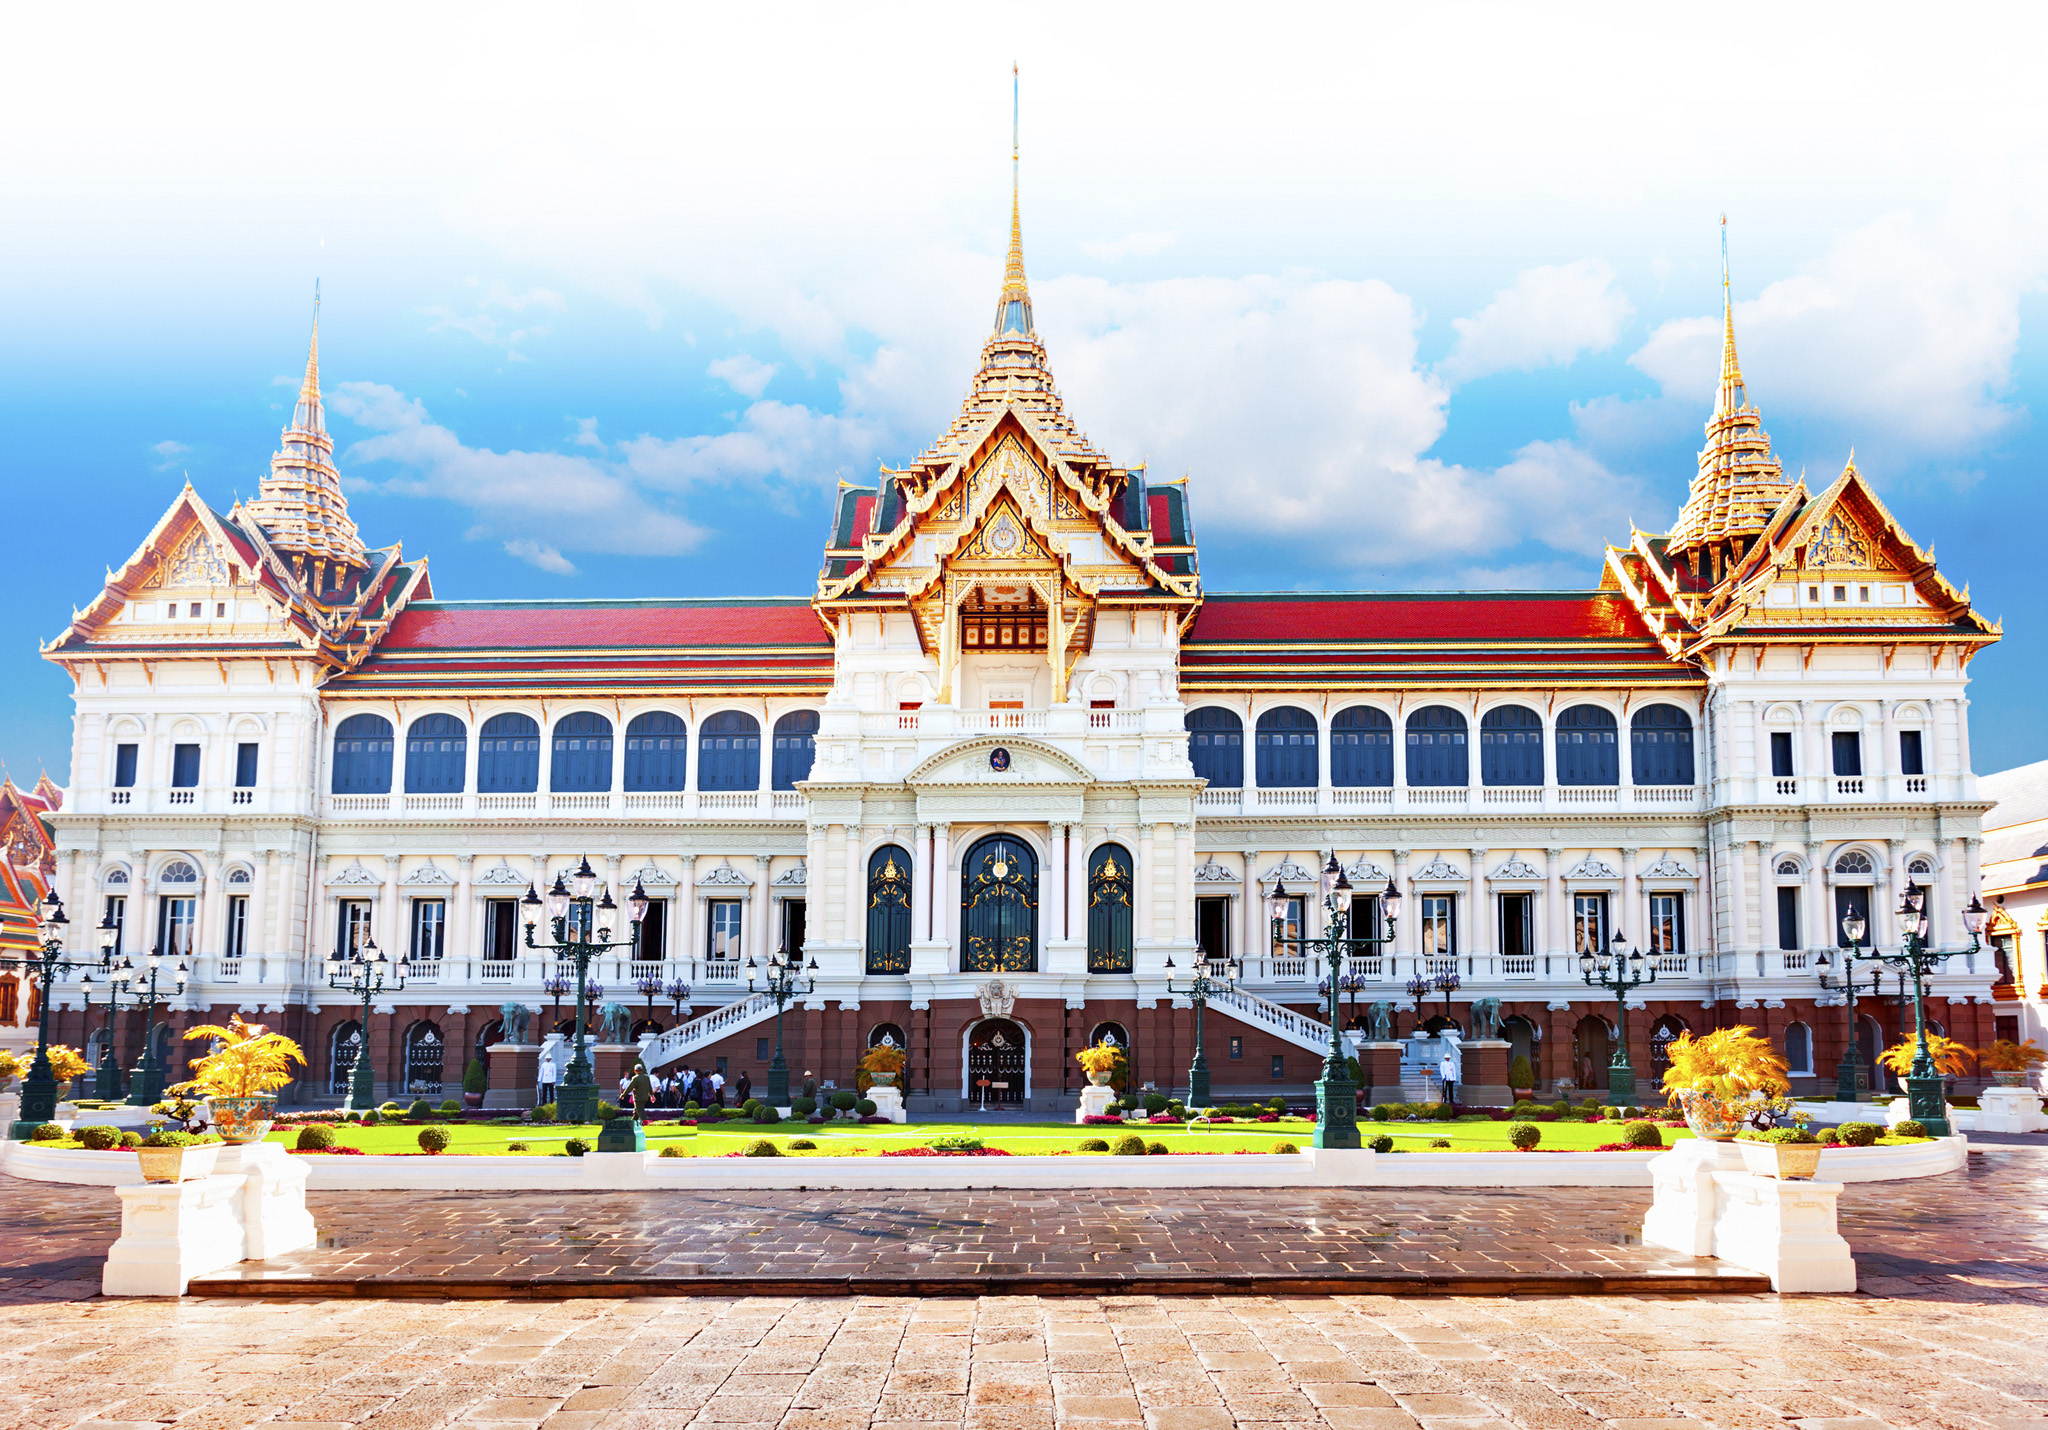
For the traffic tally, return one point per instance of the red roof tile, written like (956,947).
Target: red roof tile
(514,626)
(1572,616)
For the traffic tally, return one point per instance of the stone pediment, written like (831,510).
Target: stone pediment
(1023,761)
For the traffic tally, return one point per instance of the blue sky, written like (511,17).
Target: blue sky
(612,299)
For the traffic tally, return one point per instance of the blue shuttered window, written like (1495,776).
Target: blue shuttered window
(508,755)
(582,760)
(657,752)
(185,765)
(1216,746)
(362,755)
(1362,748)
(889,891)
(796,744)
(729,752)
(1660,746)
(436,755)
(1110,881)
(1436,747)
(1511,746)
(1287,749)
(1588,751)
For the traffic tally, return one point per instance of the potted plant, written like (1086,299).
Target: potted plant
(2011,1064)
(1790,1154)
(1717,1079)
(1099,1062)
(1521,1078)
(1951,1058)
(168,1155)
(475,1081)
(66,1066)
(883,1065)
(241,1077)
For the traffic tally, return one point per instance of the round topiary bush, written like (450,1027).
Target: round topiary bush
(314,1138)
(372,1118)
(606,1112)
(1155,1103)
(1128,1145)
(1093,1144)
(451,1104)
(1524,1135)
(435,1139)
(761,1147)
(47,1132)
(516,1147)
(1381,1143)
(766,1116)
(1380,1112)
(802,1144)
(546,1112)
(1612,1114)
(673,1151)
(1285,1149)
(1440,1143)
(1908,1128)
(865,1107)
(801,1106)
(576,1147)
(130,1138)
(420,1109)
(96,1138)
(1858,1134)
(842,1100)
(1155,1149)
(1642,1134)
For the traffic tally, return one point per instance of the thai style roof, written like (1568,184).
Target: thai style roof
(1369,640)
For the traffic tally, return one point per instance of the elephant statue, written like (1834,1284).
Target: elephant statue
(1486,1018)
(1380,1022)
(518,1017)
(616,1025)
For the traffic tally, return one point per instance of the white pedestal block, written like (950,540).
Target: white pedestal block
(1094,1101)
(274,1215)
(10,1110)
(2010,1109)
(1901,1111)
(172,1232)
(888,1103)
(1705,1204)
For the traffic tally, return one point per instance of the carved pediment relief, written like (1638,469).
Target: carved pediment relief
(1001,760)
(195,562)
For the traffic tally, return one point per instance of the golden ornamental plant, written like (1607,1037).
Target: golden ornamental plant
(250,1061)
(882,1059)
(1101,1058)
(11,1067)
(2004,1055)
(65,1063)
(1728,1065)
(1951,1058)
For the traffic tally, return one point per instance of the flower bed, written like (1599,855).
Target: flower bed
(1096,1118)
(936,1152)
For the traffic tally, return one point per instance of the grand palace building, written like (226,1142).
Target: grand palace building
(1012,772)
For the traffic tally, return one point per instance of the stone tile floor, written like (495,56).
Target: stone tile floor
(1949,1331)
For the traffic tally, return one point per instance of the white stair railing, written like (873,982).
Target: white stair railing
(1278,1020)
(665,1048)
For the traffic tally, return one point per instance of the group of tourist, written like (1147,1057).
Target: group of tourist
(685,1086)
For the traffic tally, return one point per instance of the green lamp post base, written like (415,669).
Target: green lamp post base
(576,1102)
(1927,1101)
(1336,1113)
(1852,1079)
(1198,1086)
(1621,1083)
(622,1134)
(146,1086)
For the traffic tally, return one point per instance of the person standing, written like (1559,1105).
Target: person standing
(717,1083)
(550,1067)
(1450,1068)
(643,1092)
(741,1088)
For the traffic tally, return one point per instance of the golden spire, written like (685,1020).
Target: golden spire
(1013,309)
(299,504)
(1732,396)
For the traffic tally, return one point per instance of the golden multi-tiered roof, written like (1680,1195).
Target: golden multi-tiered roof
(1739,483)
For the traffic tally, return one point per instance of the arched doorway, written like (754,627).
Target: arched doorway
(343,1048)
(1117,1035)
(1662,1032)
(888,944)
(888,1035)
(1520,1035)
(1437,1026)
(998,1063)
(491,1032)
(424,1056)
(1592,1048)
(1869,1043)
(999,907)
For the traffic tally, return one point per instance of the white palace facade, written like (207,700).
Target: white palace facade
(1011,770)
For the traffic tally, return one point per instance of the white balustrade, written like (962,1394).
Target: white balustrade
(1851,786)
(732,801)
(1116,719)
(718,1023)
(1368,797)
(1503,795)
(433,803)
(507,803)
(1680,796)
(357,803)
(1287,798)
(1427,795)
(1518,965)
(584,803)
(1596,796)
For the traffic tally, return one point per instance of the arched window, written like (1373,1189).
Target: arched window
(362,755)
(583,753)
(1216,746)
(508,755)
(1109,910)
(1362,748)
(343,1048)
(1287,749)
(1436,747)
(1588,751)
(796,744)
(1660,746)
(436,751)
(1511,746)
(889,910)
(1853,861)
(729,752)
(423,1058)
(177,872)
(657,752)
(1919,868)
(1798,1049)
(888,1035)
(1662,1034)
(999,907)
(1788,868)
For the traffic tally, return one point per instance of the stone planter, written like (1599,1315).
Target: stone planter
(1524,1094)
(244,1119)
(882,1079)
(177,1164)
(1100,1079)
(1710,1119)
(2010,1079)
(1787,1161)
(472,1100)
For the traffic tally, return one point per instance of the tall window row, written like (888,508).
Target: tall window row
(1585,741)
(579,750)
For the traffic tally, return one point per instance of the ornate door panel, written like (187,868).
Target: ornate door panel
(999,907)
(888,942)
(995,1062)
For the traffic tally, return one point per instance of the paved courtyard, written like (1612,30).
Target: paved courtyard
(1950,1329)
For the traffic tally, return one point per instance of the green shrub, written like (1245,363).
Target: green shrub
(1630,1114)
(1380,1112)
(544,1113)
(390,1109)
(165,1137)
(842,1100)
(1177,1108)
(802,1144)
(802,1106)
(761,1147)
(673,1151)
(47,1132)
(765,1116)
(1440,1142)
(1910,1128)
(1643,1134)
(956,1142)
(314,1138)
(1112,1109)
(693,1107)
(517,1147)
(435,1139)
(1858,1134)
(1155,1149)
(576,1147)
(451,1104)
(1093,1144)
(1612,1114)
(1128,1145)
(1790,1135)
(1286,1149)
(372,1118)
(1155,1103)
(96,1138)
(751,1104)
(474,1078)
(1561,1106)
(130,1138)
(1279,1104)
(1524,1135)
(1520,1073)
(1381,1143)
(606,1112)
(420,1110)
(865,1107)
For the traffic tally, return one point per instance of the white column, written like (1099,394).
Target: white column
(1962,735)
(855,901)
(1480,924)
(1405,941)
(1766,910)
(456,938)
(1077,881)
(143,911)
(1184,881)
(944,887)
(256,932)
(390,918)
(1553,902)
(921,884)
(1638,926)
(1251,942)
(1738,896)
(1052,900)
(766,940)
(1818,927)
(1147,874)
(1944,925)
(207,923)
(687,941)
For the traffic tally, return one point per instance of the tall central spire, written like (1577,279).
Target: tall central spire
(1013,309)
(1732,396)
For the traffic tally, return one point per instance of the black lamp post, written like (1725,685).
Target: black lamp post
(107,1075)
(781,986)
(366,972)
(648,987)
(555,986)
(39,1088)
(1200,987)
(1926,1098)
(146,1086)
(1852,1079)
(580,938)
(678,993)
(1336,1093)
(1620,970)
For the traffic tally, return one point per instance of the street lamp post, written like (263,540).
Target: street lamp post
(366,972)
(1336,1093)
(1619,969)
(781,986)
(572,917)
(39,1088)
(1200,987)
(107,1075)
(554,986)
(1926,1098)
(1852,1079)
(648,987)
(678,993)
(146,1085)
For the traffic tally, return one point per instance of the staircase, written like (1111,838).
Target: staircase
(1280,1021)
(686,1038)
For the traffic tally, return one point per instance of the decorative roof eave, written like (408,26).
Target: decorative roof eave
(1653,613)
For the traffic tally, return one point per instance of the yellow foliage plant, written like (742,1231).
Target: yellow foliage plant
(882,1059)
(1951,1058)
(1728,1065)
(65,1063)
(2004,1055)
(1101,1058)
(251,1060)
(12,1067)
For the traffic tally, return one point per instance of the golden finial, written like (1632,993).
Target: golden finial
(1732,395)
(1851,467)
(1013,309)
(311,386)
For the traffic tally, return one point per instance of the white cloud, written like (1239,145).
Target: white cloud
(1549,316)
(744,374)
(1131,245)
(586,433)
(777,445)
(168,452)
(485,324)
(540,554)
